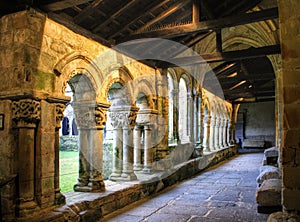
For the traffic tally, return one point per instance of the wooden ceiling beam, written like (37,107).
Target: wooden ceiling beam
(152,7)
(164,14)
(115,14)
(224,56)
(205,26)
(87,11)
(63,4)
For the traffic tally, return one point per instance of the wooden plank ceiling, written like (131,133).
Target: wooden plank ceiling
(242,74)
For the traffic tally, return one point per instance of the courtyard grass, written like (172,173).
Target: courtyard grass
(68,169)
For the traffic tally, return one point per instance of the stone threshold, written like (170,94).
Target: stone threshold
(89,206)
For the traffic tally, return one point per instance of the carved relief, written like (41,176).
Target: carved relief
(84,118)
(100,116)
(27,110)
(123,119)
(59,114)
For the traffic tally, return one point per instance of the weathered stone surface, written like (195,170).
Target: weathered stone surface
(283,217)
(268,172)
(269,193)
(271,152)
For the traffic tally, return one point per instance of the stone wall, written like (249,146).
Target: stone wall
(290,52)
(259,123)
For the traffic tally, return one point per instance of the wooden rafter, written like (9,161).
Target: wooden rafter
(63,4)
(152,7)
(114,15)
(164,14)
(87,11)
(173,31)
(226,56)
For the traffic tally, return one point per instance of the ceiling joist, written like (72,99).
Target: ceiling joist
(224,56)
(60,5)
(205,26)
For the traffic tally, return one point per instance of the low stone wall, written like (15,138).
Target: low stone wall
(93,206)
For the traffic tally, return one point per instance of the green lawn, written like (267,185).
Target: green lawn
(68,169)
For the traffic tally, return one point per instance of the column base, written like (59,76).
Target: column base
(206,149)
(128,176)
(60,199)
(147,170)
(137,167)
(97,185)
(115,176)
(27,208)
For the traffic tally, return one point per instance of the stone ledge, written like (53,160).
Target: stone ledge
(93,206)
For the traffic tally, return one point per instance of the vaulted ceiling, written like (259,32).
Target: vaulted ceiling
(243,74)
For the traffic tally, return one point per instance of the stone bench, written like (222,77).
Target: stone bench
(271,156)
(268,196)
(268,172)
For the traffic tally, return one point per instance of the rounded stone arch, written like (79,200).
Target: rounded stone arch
(188,81)
(145,87)
(73,64)
(120,75)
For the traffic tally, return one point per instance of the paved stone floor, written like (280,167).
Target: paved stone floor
(225,192)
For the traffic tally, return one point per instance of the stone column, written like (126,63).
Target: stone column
(84,123)
(224,133)
(117,153)
(26,114)
(221,127)
(190,119)
(196,119)
(147,150)
(206,134)
(212,134)
(216,133)
(176,116)
(228,132)
(128,124)
(59,198)
(137,165)
(96,182)
(90,120)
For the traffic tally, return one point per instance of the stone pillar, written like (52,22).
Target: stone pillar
(176,115)
(96,182)
(117,153)
(128,124)
(147,150)
(206,134)
(26,114)
(190,119)
(123,119)
(216,133)
(221,127)
(137,165)
(90,122)
(289,23)
(224,144)
(59,198)
(196,119)
(228,132)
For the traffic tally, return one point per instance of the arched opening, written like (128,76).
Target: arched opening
(171,100)
(183,127)
(68,148)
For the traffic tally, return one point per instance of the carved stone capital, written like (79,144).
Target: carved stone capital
(123,118)
(26,111)
(100,116)
(59,113)
(85,118)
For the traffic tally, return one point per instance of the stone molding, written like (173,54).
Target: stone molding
(123,117)
(26,110)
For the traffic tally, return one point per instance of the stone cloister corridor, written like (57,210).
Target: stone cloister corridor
(160,90)
(224,192)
